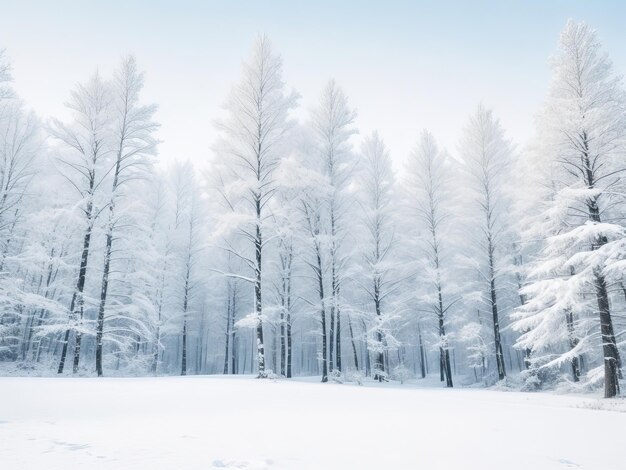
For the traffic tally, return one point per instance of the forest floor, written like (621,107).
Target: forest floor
(217,422)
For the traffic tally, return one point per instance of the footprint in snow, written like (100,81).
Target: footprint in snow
(265,465)
(569,463)
(70,445)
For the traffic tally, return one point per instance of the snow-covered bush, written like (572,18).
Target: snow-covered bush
(402,374)
(355,376)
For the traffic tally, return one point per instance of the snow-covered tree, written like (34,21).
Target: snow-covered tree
(487,155)
(427,188)
(5,77)
(188,246)
(133,141)
(254,132)
(333,124)
(378,245)
(84,147)
(583,129)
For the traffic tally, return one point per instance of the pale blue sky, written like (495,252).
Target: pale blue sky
(405,65)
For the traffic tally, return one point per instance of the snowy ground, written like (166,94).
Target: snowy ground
(207,423)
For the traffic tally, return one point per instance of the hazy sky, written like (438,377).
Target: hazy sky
(404,65)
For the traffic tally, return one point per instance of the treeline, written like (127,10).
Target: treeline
(302,251)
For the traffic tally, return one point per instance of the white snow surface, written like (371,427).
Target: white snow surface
(217,422)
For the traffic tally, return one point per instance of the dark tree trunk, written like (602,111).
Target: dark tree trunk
(368,364)
(338,338)
(227,334)
(37,319)
(320,287)
(522,301)
(283,342)
(155,352)
(275,350)
(496,330)
(422,355)
(334,334)
(612,360)
(445,371)
(77,346)
(76,305)
(289,337)
(103,296)
(245,356)
(108,251)
(609,346)
(258,305)
(183,369)
(354,351)
(448,369)
(573,342)
(233,333)
(331,339)
(379,367)
(289,347)
(157,339)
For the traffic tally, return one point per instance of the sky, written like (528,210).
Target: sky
(405,65)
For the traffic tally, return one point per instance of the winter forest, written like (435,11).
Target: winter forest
(233,269)
(303,251)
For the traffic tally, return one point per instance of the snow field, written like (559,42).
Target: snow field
(207,423)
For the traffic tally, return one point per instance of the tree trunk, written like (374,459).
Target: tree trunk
(331,338)
(368,364)
(258,305)
(573,342)
(354,352)
(496,329)
(103,295)
(379,367)
(233,333)
(227,335)
(289,346)
(320,280)
(76,305)
(609,347)
(338,338)
(283,344)
(275,349)
(445,371)
(612,360)
(422,355)
(288,325)
(183,370)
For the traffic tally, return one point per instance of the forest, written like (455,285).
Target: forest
(303,248)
